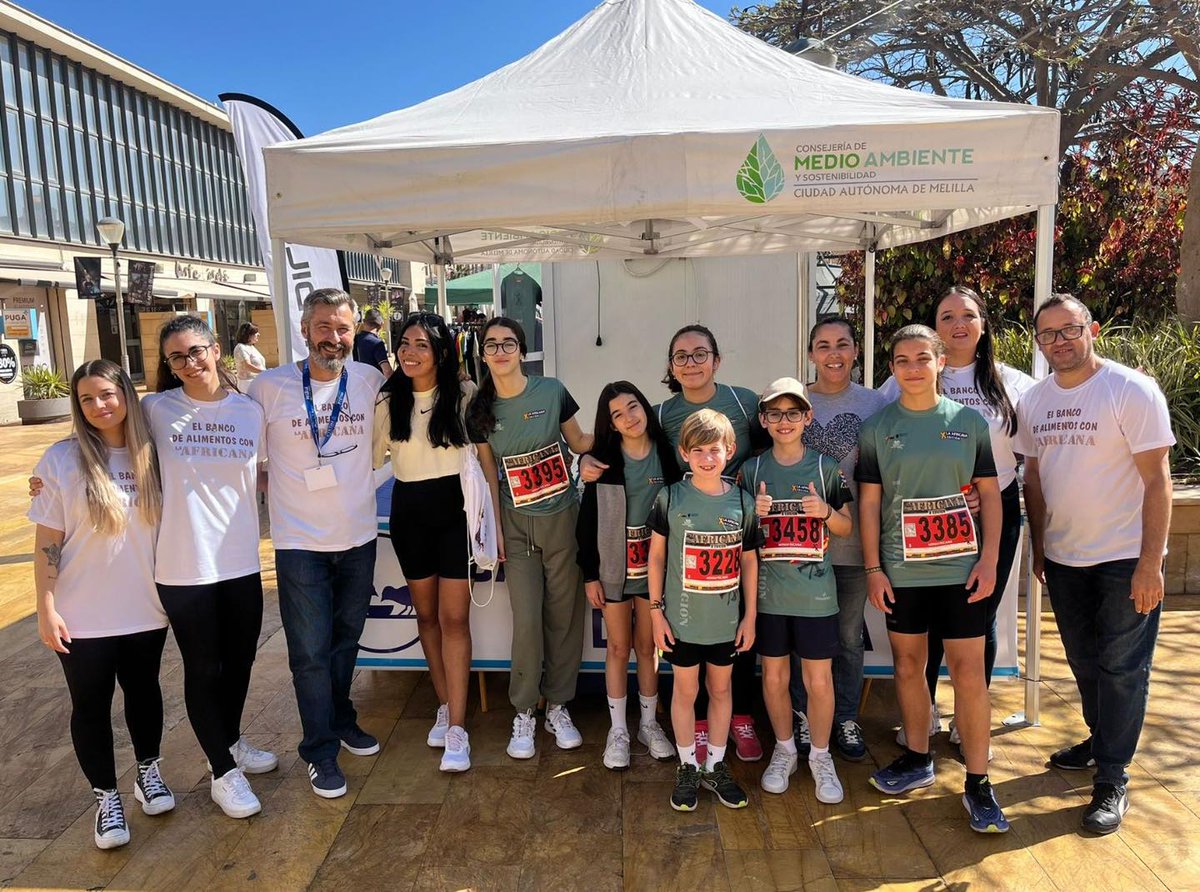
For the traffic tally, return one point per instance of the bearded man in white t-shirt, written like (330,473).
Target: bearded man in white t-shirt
(319,415)
(1096,435)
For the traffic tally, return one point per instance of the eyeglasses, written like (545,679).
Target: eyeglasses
(196,355)
(491,348)
(1068,332)
(774,416)
(679,359)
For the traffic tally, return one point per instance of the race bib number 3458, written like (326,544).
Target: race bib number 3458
(792,536)
(712,562)
(936,529)
(536,476)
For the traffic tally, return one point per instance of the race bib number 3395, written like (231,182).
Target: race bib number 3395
(712,562)
(536,476)
(936,529)
(790,535)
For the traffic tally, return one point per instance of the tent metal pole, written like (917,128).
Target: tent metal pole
(869,318)
(281,301)
(803,291)
(441,282)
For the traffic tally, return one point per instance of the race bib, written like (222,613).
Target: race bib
(637,552)
(792,536)
(536,476)
(936,529)
(712,562)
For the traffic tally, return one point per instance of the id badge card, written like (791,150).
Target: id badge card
(320,477)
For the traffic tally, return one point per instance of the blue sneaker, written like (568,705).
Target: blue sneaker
(986,816)
(903,775)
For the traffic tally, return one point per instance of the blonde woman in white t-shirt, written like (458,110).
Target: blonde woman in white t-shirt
(419,420)
(97,517)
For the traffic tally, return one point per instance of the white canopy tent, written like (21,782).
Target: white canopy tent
(654,127)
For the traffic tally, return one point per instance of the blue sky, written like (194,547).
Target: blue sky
(323,63)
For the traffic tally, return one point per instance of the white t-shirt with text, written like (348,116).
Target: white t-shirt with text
(105,584)
(1084,439)
(209,454)
(336,518)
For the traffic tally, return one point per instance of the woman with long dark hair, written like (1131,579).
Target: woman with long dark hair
(974,378)
(614,549)
(519,424)
(97,515)
(419,420)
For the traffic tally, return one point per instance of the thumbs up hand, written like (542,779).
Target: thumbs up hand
(762,501)
(813,504)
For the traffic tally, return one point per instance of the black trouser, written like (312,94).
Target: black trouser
(1010,534)
(217,628)
(93,668)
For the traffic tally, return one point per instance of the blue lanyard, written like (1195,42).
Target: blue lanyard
(334,415)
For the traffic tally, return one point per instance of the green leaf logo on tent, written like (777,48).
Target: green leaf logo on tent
(760,177)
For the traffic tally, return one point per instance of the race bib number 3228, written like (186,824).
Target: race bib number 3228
(937,529)
(712,562)
(536,476)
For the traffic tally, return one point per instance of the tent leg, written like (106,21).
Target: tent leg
(869,319)
(281,301)
(441,282)
(803,299)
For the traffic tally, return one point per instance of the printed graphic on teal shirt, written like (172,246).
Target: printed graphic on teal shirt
(531,458)
(643,480)
(795,587)
(706,536)
(923,460)
(738,404)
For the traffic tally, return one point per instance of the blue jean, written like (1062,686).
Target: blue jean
(323,600)
(848,664)
(1109,647)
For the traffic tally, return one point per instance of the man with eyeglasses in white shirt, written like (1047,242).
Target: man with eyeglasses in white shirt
(1095,436)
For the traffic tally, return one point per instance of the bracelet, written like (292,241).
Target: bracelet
(829,513)
(657,605)
(870,570)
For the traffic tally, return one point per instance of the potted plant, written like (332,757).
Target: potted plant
(47,396)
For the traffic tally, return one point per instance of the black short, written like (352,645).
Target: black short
(942,609)
(685,655)
(428,528)
(808,637)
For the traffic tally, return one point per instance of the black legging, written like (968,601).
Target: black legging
(93,669)
(217,628)
(1010,534)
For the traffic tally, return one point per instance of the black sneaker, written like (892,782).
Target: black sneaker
(111,830)
(151,790)
(848,740)
(721,782)
(1074,758)
(359,742)
(1107,808)
(327,779)
(687,782)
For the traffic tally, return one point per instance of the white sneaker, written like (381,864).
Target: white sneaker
(653,737)
(616,749)
(457,753)
(956,739)
(151,790)
(251,759)
(232,792)
(558,723)
(441,724)
(829,788)
(521,745)
(781,767)
(935,725)
(111,829)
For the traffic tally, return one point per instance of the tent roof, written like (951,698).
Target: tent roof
(655,126)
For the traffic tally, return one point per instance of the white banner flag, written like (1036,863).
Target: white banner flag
(255,125)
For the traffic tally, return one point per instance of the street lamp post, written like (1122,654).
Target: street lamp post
(112,232)
(385,273)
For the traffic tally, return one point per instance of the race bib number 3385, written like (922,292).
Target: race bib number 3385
(790,535)
(536,476)
(936,529)
(712,562)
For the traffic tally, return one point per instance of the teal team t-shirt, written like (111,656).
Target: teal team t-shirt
(923,460)
(738,404)
(643,480)
(531,457)
(706,536)
(795,569)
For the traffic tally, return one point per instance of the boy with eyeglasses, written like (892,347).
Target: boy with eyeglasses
(800,499)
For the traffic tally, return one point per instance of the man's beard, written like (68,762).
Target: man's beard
(325,363)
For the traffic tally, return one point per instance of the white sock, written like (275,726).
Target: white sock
(788,745)
(616,712)
(687,756)
(649,709)
(817,751)
(715,754)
